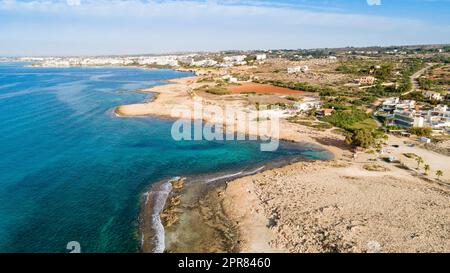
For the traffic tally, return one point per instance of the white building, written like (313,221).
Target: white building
(298,69)
(230,78)
(235,60)
(369,80)
(261,57)
(308,104)
(390,104)
(406,105)
(439,117)
(433,95)
(204,63)
(159,60)
(408,119)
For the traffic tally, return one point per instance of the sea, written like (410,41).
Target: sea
(71,172)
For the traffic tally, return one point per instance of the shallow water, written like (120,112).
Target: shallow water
(72,171)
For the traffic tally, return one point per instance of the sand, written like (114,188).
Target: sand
(337,206)
(167,97)
(435,160)
(179,95)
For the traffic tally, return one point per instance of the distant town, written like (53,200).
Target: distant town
(402,90)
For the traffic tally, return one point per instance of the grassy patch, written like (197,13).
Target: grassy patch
(410,155)
(293,98)
(346,119)
(375,168)
(365,124)
(310,123)
(322,126)
(215,90)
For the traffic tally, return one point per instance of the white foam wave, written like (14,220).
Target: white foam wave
(223,177)
(241,173)
(159,198)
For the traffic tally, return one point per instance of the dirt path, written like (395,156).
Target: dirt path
(415,77)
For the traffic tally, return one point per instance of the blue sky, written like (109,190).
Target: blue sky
(102,27)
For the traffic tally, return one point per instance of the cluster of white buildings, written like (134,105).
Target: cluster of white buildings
(166,60)
(201,63)
(363,52)
(230,61)
(298,69)
(227,61)
(308,104)
(408,114)
(230,78)
(169,60)
(396,51)
(261,57)
(433,95)
(194,60)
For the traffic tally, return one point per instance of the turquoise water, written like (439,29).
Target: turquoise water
(72,171)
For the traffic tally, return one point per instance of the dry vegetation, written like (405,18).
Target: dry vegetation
(321,72)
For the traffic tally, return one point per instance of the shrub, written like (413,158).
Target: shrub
(363,138)
(421,132)
(293,98)
(344,119)
(215,90)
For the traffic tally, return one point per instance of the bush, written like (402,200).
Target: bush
(293,98)
(363,138)
(421,132)
(215,90)
(384,73)
(345,119)
(300,86)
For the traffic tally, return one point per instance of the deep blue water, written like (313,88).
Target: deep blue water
(72,171)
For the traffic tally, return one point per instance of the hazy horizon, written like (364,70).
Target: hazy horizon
(216,51)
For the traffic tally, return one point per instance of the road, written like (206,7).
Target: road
(415,77)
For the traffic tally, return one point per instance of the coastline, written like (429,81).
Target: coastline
(178,213)
(179,92)
(339,206)
(302,207)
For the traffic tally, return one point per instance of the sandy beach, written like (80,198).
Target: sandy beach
(180,93)
(339,207)
(350,204)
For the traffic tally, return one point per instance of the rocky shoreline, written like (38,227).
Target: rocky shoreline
(337,206)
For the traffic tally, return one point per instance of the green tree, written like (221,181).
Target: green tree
(421,132)
(384,72)
(250,59)
(439,174)
(361,138)
(427,169)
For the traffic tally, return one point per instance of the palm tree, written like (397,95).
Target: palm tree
(419,161)
(427,169)
(439,173)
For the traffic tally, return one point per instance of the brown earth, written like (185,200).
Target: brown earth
(258,88)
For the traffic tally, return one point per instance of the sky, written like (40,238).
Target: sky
(109,27)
